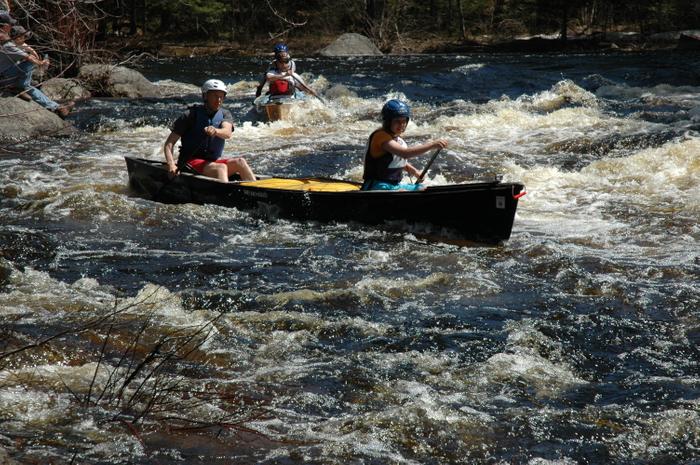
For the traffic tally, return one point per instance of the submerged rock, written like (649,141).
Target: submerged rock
(65,89)
(351,44)
(22,121)
(688,42)
(116,81)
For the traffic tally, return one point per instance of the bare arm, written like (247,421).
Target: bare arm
(415,151)
(168,151)
(31,51)
(225,132)
(412,170)
(277,76)
(36,60)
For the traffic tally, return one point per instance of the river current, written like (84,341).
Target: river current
(135,332)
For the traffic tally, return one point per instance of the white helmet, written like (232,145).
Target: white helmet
(213,84)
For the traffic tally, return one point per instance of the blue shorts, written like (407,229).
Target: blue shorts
(371,185)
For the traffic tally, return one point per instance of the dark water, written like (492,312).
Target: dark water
(202,335)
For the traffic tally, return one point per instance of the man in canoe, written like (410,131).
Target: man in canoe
(204,128)
(280,73)
(387,153)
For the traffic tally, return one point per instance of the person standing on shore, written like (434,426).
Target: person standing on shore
(204,129)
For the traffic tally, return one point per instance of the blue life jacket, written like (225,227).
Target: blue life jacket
(195,143)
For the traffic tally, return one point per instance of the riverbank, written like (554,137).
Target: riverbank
(432,44)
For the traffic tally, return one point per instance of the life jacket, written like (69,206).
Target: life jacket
(387,167)
(279,87)
(195,143)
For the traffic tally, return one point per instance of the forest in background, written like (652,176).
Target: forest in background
(81,29)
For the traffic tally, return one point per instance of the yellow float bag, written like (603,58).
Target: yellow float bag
(312,185)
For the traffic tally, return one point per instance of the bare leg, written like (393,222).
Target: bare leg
(216,170)
(240,166)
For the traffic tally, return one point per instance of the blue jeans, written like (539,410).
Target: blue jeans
(20,76)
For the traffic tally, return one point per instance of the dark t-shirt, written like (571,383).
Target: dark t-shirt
(187,119)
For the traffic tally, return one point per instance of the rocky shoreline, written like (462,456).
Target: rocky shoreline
(23,121)
(310,46)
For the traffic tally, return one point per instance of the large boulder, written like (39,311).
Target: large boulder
(65,89)
(23,121)
(351,44)
(116,81)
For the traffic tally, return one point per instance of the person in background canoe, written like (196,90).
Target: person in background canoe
(387,153)
(204,129)
(280,74)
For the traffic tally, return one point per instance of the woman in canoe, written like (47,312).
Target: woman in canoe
(387,153)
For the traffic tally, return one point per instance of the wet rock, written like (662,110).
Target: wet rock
(544,44)
(351,45)
(22,121)
(6,270)
(670,37)
(338,91)
(116,81)
(5,458)
(688,42)
(65,89)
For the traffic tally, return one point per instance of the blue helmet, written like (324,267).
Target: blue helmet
(395,109)
(279,48)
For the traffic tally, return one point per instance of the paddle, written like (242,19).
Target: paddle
(425,170)
(306,88)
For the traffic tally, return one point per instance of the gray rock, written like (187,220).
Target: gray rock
(672,36)
(116,81)
(65,89)
(351,45)
(22,121)
(5,458)
(339,91)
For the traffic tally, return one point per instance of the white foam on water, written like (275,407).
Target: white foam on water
(79,379)
(658,435)
(670,92)
(153,300)
(468,68)
(34,294)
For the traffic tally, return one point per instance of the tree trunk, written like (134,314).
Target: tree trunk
(497,12)
(371,9)
(564,20)
(132,18)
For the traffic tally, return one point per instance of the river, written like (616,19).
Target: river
(136,332)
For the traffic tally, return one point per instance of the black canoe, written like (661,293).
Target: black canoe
(480,211)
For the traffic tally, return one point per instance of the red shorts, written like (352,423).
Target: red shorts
(198,164)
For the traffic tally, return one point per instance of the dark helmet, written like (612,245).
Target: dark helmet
(395,109)
(279,48)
